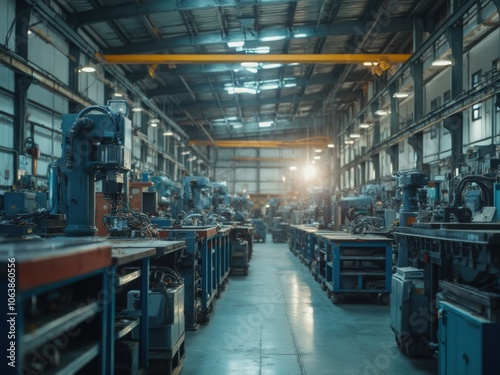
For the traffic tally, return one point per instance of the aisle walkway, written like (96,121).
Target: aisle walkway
(277,320)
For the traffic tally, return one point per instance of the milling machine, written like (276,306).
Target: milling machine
(96,146)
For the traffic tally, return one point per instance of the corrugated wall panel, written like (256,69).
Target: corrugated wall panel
(6,102)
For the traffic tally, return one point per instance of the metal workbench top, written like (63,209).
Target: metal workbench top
(161,247)
(41,262)
(479,236)
(348,237)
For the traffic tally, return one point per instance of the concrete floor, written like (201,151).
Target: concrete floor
(277,320)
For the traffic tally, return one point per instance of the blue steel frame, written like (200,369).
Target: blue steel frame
(111,313)
(202,243)
(20,317)
(331,270)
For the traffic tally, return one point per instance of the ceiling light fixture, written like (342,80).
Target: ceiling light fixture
(330,145)
(364,125)
(271,66)
(235,44)
(153,124)
(401,95)
(318,150)
(317,157)
(272,38)
(89,68)
(441,62)
(250,64)
(347,142)
(301,35)
(168,133)
(354,135)
(381,112)
(265,124)
(237,126)
(137,107)
(293,168)
(370,63)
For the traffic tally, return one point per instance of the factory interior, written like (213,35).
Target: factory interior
(250,187)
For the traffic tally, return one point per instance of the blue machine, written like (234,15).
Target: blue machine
(409,183)
(196,197)
(95,147)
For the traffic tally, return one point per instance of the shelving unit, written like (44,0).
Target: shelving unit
(355,264)
(197,267)
(60,310)
(132,261)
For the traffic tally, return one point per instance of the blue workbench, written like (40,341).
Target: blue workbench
(354,264)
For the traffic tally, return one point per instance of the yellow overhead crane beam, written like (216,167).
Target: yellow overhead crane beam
(324,58)
(315,142)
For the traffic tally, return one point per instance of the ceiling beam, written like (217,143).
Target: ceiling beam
(326,58)
(396,25)
(251,102)
(318,142)
(180,90)
(110,13)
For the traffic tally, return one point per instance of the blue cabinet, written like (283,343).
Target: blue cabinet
(468,343)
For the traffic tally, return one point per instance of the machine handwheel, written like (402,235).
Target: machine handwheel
(384,298)
(335,298)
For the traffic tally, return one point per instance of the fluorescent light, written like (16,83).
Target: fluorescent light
(265,124)
(273,38)
(441,62)
(136,109)
(118,94)
(185,152)
(237,126)
(401,95)
(240,90)
(153,124)
(347,142)
(293,168)
(364,125)
(263,49)
(232,118)
(291,84)
(300,35)
(330,145)
(354,135)
(269,86)
(155,120)
(250,64)
(251,70)
(317,157)
(168,133)
(235,44)
(318,150)
(271,66)
(293,64)
(381,112)
(369,63)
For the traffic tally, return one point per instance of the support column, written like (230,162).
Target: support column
(417,71)
(393,152)
(455,38)
(376,167)
(417,142)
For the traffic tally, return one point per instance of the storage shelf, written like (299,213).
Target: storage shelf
(122,280)
(52,325)
(362,273)
(75,359)
(362,257)
(121,331)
